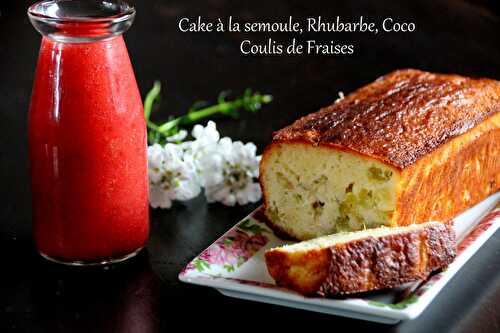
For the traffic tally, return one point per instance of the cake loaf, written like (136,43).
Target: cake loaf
(410,147)
(364,260)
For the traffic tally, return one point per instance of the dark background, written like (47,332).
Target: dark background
(144,295)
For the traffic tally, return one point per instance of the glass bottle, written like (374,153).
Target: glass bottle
(87,136)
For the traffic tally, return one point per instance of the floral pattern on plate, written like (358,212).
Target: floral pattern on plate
(232,250)
(221,266)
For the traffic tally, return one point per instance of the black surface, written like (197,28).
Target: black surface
(144,295)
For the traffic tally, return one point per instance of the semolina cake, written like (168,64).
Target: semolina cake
(410,147)
(365,260)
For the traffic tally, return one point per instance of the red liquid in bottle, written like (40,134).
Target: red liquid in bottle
(87,138)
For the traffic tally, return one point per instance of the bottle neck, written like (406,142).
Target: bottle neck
(81,21)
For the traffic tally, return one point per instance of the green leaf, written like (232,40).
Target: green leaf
(253,228)
(376,303)
(229,268)
(228,241)
(409,300)
(397,306)
(241,260)
(201,265)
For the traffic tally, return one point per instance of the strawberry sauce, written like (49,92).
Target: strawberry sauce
(87,138)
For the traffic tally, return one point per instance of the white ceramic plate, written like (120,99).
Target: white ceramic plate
(235,265)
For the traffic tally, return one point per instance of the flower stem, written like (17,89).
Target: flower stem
(151,97)
(249,102)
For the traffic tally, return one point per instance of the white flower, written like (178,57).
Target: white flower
(178,137)
(205,136)
(155,163)
(226,169)
(171,176)
(204,152)
(235,174)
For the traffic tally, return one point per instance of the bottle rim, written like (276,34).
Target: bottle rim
(82,24)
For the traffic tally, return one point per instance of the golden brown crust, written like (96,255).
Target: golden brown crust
(364,264)
(454,177)
(446,166)
(400,117)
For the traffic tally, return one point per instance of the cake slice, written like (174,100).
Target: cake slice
(410,147)
(360,261)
